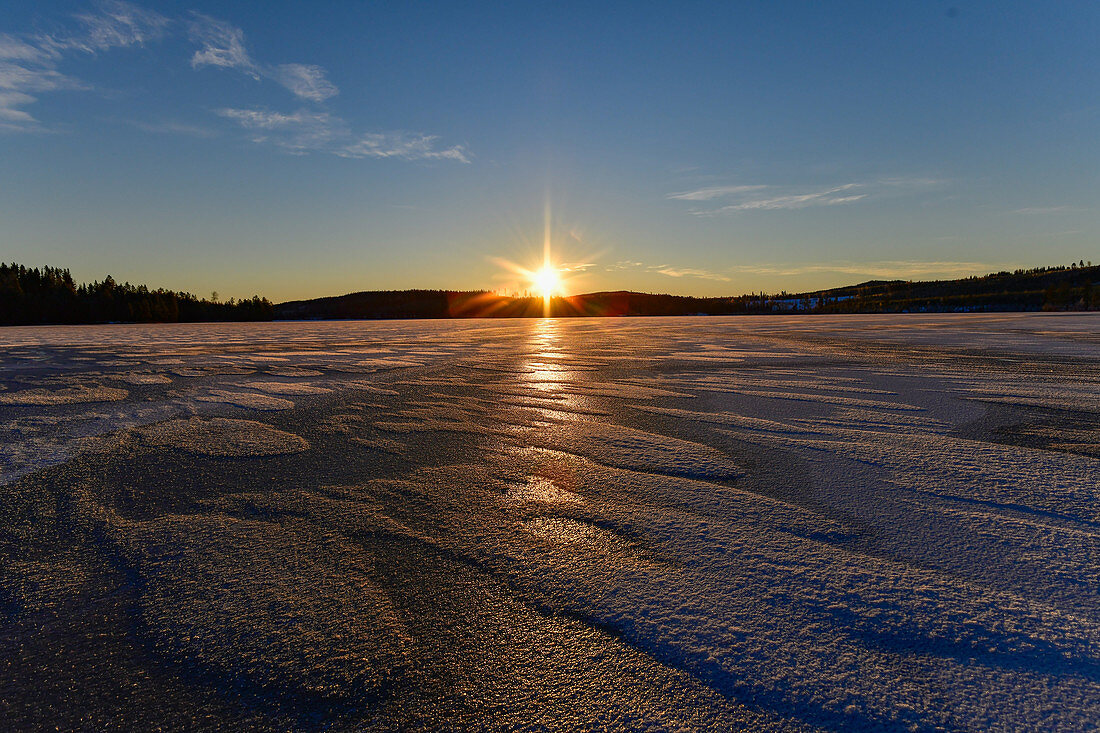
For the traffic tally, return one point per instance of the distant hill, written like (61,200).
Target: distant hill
(1045,288)
(30,296)
(484,304)
(1042,288)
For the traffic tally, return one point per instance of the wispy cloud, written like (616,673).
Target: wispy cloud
(691,272)
(757,197)
(306,131)
(769,198)
(300,131)
(222,44)
(15,49)
(305,81)
(828,197)
(31,78)
(19,86)
(878,269)
(11,116)
(410,146)
(115,24)
(28,65)
(171,127)
(713,192)
(667,270)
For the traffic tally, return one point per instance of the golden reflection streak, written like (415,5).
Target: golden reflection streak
(547,279)
(547,268)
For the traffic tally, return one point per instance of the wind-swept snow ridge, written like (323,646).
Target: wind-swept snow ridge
(222,437)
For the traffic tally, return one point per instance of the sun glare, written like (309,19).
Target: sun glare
(546,281)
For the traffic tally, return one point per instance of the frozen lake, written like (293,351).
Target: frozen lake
(758,523)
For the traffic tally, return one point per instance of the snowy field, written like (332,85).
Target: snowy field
(772,523)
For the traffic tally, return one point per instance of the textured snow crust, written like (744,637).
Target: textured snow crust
(222,437)
(850,523)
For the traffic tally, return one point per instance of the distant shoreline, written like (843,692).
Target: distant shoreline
(49,296)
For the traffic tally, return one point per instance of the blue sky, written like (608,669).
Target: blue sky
(306,149)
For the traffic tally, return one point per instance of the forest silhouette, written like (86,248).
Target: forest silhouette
(49,295)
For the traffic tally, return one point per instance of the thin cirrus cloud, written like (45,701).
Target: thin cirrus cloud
(172,127)
(306,131)
(577,266)
(116,24)
(690,272)
(303,131)
(777,198)
(29,67)
(768,198)
(714,192)
(891,269)
(222,44)
(305,81)
(667,270)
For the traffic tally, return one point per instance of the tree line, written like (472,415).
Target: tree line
(1074,287)
(50,295)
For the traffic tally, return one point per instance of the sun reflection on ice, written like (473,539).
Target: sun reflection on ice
(545,345)
(540,490)
(546,339)
(545,372)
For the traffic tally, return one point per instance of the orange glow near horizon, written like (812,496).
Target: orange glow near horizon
(546,281)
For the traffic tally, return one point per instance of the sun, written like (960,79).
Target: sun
(547,281)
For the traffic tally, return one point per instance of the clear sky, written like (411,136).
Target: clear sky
(298,149)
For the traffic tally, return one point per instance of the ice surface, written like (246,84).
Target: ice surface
(774,523)
(65,396)
(248,400)
(145,378)
(539,490)
(290,388)
(210,598)
(222,437)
